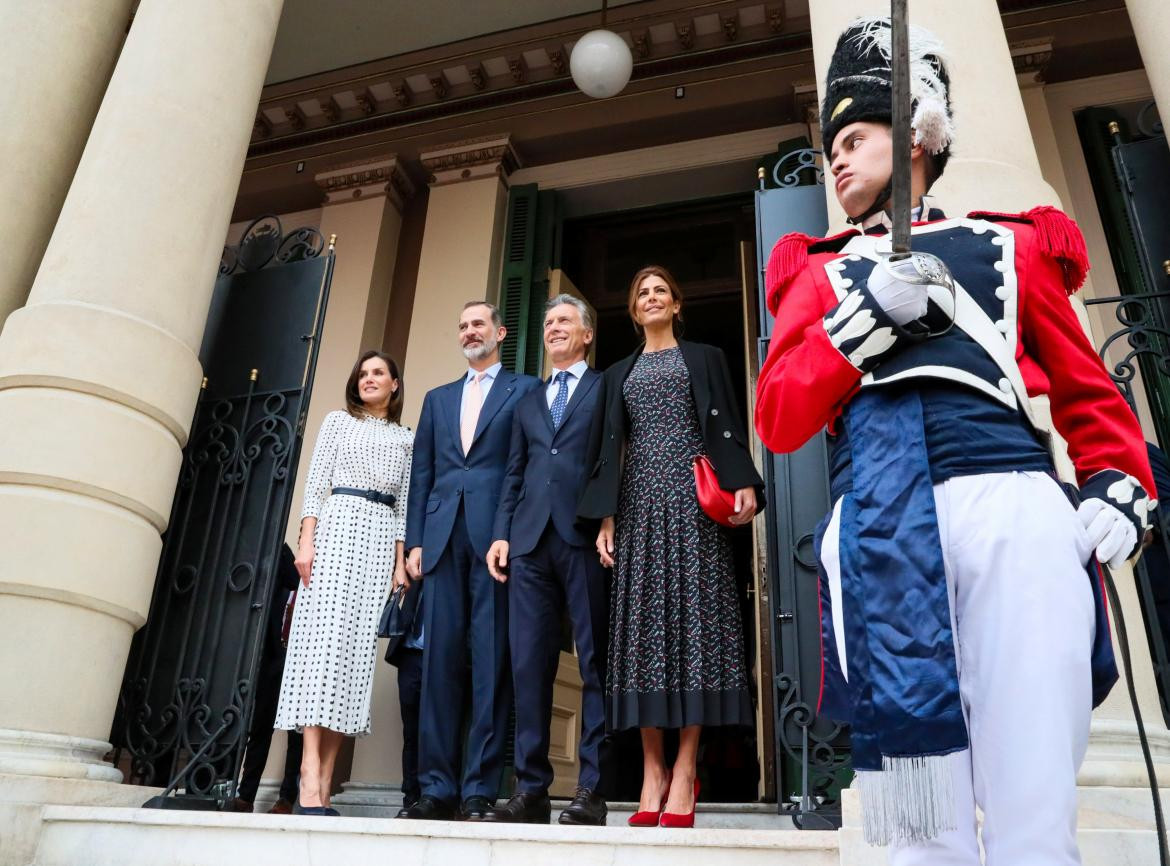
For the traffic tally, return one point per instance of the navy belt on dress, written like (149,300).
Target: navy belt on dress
(372,495)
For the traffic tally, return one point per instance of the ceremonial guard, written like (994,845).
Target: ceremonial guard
(964,632)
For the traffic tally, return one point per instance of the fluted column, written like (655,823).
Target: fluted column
(56,68)
(1151,27)
(99,374)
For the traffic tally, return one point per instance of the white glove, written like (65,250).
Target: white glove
(903,302)
(1110,531)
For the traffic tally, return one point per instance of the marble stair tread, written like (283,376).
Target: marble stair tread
(129,837)
(369,802)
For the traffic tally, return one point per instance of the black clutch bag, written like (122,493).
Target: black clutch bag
(392,623)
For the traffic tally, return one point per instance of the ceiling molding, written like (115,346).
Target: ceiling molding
(469,160)
(406,90)
(367,179)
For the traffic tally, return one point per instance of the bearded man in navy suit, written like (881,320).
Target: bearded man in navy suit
(546,557)
(460,452)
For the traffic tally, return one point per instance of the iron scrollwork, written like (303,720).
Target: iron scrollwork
(183,704)
(264,242)
(1149,122)
(800,165)
(1145,340)
(1144,337)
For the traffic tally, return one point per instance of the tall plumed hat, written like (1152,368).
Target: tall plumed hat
(858,85)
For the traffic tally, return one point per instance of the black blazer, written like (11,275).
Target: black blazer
(724,436)
(547,469)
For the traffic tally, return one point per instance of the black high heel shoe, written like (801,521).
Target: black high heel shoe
(298,809)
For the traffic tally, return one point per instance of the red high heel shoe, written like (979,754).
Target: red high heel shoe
(673,819)
(650,819)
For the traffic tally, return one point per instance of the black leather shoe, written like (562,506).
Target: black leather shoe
(430,809)
(475,808)
(587,809)
(523,809)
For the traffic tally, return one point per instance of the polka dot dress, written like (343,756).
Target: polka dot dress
(329,667)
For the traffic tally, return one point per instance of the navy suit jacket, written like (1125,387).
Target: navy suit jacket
(547,469)
(441,477)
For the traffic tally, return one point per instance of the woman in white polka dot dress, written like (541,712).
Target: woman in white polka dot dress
(352,528)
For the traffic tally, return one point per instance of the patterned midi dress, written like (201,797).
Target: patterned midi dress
(329,666)
(676,651)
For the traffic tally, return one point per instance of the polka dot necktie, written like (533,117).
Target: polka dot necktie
(561,400)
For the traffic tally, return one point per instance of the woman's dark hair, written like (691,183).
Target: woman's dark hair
(353,398)
(675,293)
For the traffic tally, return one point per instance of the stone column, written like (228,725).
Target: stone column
(1151,27)
(56,67)
(993,164)
(99,375)
(460,260)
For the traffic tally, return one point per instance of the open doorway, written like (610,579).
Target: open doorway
(702,244)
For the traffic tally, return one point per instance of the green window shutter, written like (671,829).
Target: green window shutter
(516,279)
(545,256)
(531,248)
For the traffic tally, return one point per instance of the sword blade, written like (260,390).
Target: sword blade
(900,122)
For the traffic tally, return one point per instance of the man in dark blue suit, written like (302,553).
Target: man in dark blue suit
(548,561)
(460,453)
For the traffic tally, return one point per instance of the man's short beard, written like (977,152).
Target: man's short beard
(483,350)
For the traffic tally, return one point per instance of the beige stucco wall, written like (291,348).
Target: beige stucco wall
(460,262)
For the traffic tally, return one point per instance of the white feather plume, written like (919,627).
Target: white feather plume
(934,127)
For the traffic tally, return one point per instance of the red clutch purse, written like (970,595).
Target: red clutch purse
(717,503)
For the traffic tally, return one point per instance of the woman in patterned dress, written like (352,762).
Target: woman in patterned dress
(676,649)
(352,529)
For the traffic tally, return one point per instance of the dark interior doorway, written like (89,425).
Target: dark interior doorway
(703,245)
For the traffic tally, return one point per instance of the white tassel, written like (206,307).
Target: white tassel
(909,801)
(926,85)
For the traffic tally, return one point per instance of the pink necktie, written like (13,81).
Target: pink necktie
(471,411)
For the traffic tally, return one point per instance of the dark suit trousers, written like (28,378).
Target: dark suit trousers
(410,664)
(260,735)
(541,584)
(466,611)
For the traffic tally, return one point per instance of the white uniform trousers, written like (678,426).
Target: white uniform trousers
(1023,620)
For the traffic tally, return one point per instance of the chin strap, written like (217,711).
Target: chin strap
(880,202)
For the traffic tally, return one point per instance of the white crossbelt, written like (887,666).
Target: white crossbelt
(975,323)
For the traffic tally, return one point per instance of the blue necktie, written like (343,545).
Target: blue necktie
(562,399)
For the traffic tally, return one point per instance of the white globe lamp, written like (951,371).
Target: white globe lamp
(601,63)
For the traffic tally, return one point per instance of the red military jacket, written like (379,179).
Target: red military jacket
(807,379)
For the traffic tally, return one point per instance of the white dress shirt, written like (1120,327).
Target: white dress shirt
(575,373)
(485,385)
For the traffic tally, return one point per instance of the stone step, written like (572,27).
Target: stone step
(370,802)
(96,836)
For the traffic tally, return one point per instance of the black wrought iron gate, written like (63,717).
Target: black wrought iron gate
(812,752)
(1138,354)
(187,694)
